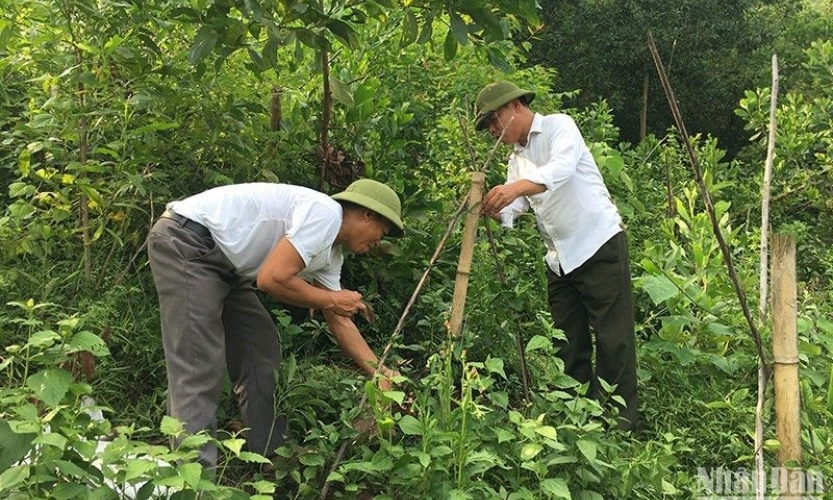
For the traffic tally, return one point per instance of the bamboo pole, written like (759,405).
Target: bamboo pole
(461,284)
(785,349)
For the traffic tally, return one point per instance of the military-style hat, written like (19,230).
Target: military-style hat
(378,197)
(495,95)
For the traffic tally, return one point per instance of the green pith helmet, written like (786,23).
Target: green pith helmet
(378,197)
(495,95)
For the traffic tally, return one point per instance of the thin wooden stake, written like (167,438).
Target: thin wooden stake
(785,350)
(763,376)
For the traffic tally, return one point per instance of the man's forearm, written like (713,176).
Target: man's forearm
(351,342)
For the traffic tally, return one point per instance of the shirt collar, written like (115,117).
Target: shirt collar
(535,128)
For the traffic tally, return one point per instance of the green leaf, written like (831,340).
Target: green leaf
(495,365)
(343,32)
(410,29)
(191,473)
(311,459)
(13,476)
(427,30)
(341,91)
(449,46)
(547,431)
(65,491)
(410,426)
(538,342)
(504,435)
(90,342)
(50,385)
(52,439)
(43,339)
(556,488)
(137,467)
(660,288)
(459,28)
(257,458)
(171,426)
(13,446)
(204,43)
(530,451)
(587,448)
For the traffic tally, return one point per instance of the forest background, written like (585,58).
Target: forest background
(109,109)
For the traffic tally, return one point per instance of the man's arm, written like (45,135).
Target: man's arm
(278,276)
(351,342)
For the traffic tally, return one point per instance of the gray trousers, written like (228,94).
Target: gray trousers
(598,294)
(212,320)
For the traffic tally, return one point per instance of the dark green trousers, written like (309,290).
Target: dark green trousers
(597,297)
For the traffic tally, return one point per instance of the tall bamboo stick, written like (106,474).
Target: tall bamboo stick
(785,349)
(461,284)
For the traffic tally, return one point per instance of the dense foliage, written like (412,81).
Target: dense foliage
(110,109)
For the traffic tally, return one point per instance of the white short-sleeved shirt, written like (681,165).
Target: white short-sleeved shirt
(247,221)
(575,214)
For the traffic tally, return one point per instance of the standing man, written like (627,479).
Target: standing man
(207,253)
(552,171)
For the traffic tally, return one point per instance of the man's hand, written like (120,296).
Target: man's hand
(386,377)
(347,303)
(497,199)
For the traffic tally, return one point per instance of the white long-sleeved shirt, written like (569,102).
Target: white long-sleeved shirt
(575,214)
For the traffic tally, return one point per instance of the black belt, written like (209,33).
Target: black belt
(193,226)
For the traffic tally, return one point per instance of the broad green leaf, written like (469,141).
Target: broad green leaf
(397,396)
(547,431)
(235,445)
(587,448)
(50,385)
(556,488)
(458,27)
(90,342)
(440,451)
(195,441)
(449,46)
(660,288)
(137,467)
(204,43)
(341,91)
(191,472)
(65,491)
(410,29)
(13,446)
(171,426)
(70,469)
(311,459)
(13,476)
(427,30)
(495,365)
(410,426)
(538,342)
(503,435)
(343,32)
(42,339)
(52,439)
(257,458)
(530,451)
